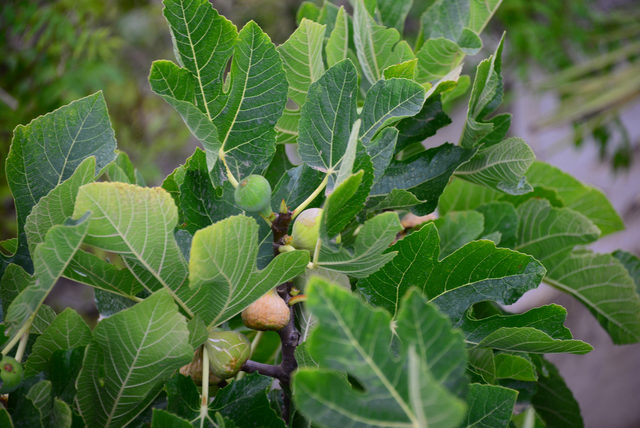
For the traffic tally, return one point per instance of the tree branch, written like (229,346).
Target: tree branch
(251,366)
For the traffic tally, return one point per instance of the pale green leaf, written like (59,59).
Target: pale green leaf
(581,198)
(57,206)
(367,256)
(461,195)
(246,112)
(346,165)
(302,59)
(337,46)
(604,286)
(137,223)
(89,269)
(393,13)
(203,43)
(177,87)
(255,101)
(528,339)
(223,261)
(377,47)
(545,231)
(387,102)
(67,331)
(50,259)
(133,353)
(436,59)
(500,166)
(404,70)
(480,12)
(445,348)
(548,319)
(486,96)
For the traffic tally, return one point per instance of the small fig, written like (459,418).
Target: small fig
(10,374)
(306,228)
(253,194)
(228,351)
(269,312)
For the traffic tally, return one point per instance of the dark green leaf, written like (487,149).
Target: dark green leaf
(327,117)
(355,338)
(425,176)
(490,406)
(476,272)
(245,402)
(423,125)
(553,400)
(65,138)
(163,419)
(457,229)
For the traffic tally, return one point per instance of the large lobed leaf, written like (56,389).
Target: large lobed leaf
(223,262)
(478,271)
(47,151)
(51,258)
(396,390)
(131,356)
(244,108)
(137,223)
(67,331)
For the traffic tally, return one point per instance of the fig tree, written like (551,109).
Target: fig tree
(10,374)
(306,228)
(228,351)
(269,312)
(253,194)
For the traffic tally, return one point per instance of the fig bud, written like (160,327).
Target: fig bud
(10,374)
(306,228)
(228,351)
(269,312)
(253,194)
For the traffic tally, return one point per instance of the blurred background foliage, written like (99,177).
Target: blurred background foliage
(55,51)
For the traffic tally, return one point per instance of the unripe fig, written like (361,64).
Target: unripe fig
(10,374)
(228,351)
(269,312)
(194,369)
(306,228)
(253,194)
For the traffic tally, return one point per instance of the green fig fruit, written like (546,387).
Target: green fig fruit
(10,374)
(269,312)
(194,370)
(228,351)
(306,228)
(253,194)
